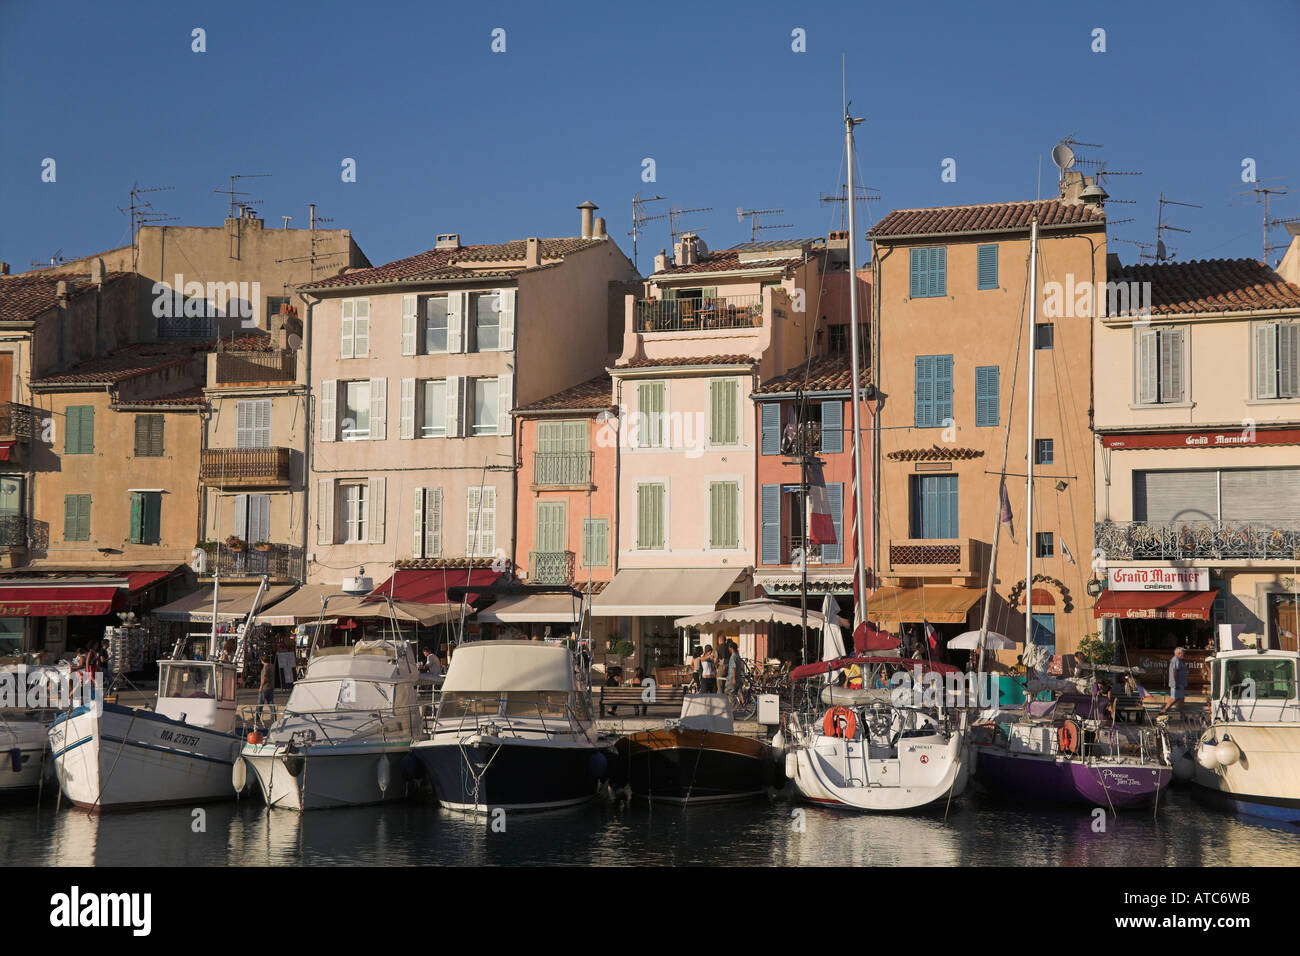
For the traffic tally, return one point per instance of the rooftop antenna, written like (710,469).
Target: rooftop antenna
(639,219)
(1262,196)
(863,194)
(141,213)
(1163,253)
(675,229)
(57,259)
(1143,254)
(755,228)
(287,220)
(232,192)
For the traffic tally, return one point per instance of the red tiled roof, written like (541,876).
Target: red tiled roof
(126,363)
(190,396)
(935,453)
(1211,285)
(830,373)
(985,217)
(595,393)
(726,260)
(249,342)
(689,362)
(28,294)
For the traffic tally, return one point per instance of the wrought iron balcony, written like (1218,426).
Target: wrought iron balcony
(13,531)
(16,421)
(931,558)
(1231,540)
(550,567)
(248,368)
(792,547)
(560,468)
(244,467)
(281,562)
(804,439)
(689,315)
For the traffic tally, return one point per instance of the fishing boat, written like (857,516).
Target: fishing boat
(695,758)
(1250,754)
(513,729)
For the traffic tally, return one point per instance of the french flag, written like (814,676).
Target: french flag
(821,529)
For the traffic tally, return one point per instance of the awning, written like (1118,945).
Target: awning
(1156,605)
(756,611)
(429,585)
(234,601)
(940,604)
(6,447)
(137,581)
(664,592)
(27,601)
(409,612)
(562,608)
(302,606)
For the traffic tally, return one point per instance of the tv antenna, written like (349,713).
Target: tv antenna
(639,219)
(755,228)
(1262,196)
(1164,253)
(232,192)
(141,213)
(1143,247)
(675,229)
(863,194)
(55,260)
(1064,156)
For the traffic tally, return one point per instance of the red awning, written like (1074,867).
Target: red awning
(58,601)
(5,448)
(137,581)
(1156,605)
(429,585)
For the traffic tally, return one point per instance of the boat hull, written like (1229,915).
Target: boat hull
(23,758)
(518,774)
(693,766)
(326,777)
(1051,779)
(1265,781)
(929,771)
(123,758)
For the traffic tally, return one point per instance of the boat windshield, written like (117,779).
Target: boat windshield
(1261,679)
(188,680)
(342,694)
(458,704)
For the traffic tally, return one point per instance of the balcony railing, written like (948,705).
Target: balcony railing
(244,467)
(16,421)
(1241,540)
(688,315)
(552,468)
(281,562)
(550,567)
(241,368)
(931,558)
(792,545)
(13,531)
(804,439)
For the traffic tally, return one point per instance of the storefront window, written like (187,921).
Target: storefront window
(11,636)
(1263,678)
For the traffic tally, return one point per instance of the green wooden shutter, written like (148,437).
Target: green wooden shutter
(72,430)
(152,518)
(86,443)
(939,271)
(137,517)
(70,518)
(83,517)
(141,435)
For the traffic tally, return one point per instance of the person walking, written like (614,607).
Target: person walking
(1177,683)
(265,687)
(708,671)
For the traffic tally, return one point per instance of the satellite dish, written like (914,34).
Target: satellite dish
(295,340)
(1062,155)
(1160,250)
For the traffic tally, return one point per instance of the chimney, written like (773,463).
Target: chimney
(61,290)
(448,240)
(97,271)
(588,209)
(661,260)
(532,253)
(4,268)
(687,256)
(600,229)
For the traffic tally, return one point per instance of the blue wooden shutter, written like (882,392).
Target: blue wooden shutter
(942,388)
(833,426)
(137,517)
(987,266)
(987,398)
(771,428)
(925,391)
(947,502)
(771,525)
(917,285)
(834,553)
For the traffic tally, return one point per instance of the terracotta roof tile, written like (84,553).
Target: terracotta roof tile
(28,294)
(689,362)
(595,393)
(935,453)
(725,260)
(830,373)
(189,396)
(984,217)
(1211,285)
(126,363)
(424,564)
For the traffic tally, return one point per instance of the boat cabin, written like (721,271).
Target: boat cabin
(1254,685)
(516,680)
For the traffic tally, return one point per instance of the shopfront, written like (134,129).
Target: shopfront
(1151,611)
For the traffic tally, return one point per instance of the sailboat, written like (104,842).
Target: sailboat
(1064,750)
(877,752)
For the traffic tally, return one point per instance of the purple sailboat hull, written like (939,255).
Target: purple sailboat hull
(1049,780)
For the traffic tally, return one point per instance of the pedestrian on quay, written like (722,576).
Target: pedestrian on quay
(735,666)
(708,671)
(612,680)
(1177,683)
(265,687)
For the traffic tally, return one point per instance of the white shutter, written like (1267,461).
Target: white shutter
(454,384)
(241,516)
(409,323)
(378,409)
(406,428)
(362,328)
(329,416)
(377,508)
(419,524)
(471,519)
(1147,363)
(262,423)
(1266,361)
(433,523)
(1171,366)
(259,518)
(347,327)
(505,422)
(324,511)
(244,416)
(1288,360)
(456,309)
(506,297)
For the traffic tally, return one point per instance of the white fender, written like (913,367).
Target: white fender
(383,774)
(791,765)
(239,775)
(1227,753)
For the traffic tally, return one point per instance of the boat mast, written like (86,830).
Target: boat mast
(1029,440)
(859,565)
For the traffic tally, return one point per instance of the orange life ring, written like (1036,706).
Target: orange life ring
(840,722)
(1067,738)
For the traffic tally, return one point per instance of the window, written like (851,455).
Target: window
(1160,366)
(356,411)
(433,410)
(1277,360)
(481,522)
(11,496)
(79,430)
(1044,335)
(487,322)
(1193,496)
(355,329)
(933,390)
(1266,679)
(929,268)
(595,542)
(651,505)
(486,392)
(934,506)
(724,514)
(837,341)
(146,517)
(650,406)
(76,517)
(148,436)
(1043,631)
(273,303)
(428,522)
(253,423)
(562,457)
(435,324)
(724,400)
(986,268)
(253,518)
(354,517)
(1044,544)
(1044,451)
(988,399)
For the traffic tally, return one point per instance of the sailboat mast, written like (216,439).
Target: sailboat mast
(859,565)
(1029,439)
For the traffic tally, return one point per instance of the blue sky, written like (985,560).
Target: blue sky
(449,136)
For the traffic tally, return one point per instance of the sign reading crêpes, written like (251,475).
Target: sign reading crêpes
(1159,579)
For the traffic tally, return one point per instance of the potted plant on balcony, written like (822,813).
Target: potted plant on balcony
(262,546)
(235,543)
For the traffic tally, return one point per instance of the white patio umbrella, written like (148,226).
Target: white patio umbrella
(970,640)
(756,611)
(832,635)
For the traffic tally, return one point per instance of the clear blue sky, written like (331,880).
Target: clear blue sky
(451,137)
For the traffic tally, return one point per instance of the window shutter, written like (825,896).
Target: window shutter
(925,391)
(657,494)
(716,422)
(1171,366)
(324,511)
(417,548)
(362,328)
(378,409)
(771,419)
(987,266)
(1288,360)
(261,515)
(241,517)
(83,516)
(939,271)
(833,426)
(987,396)
(151,523)
(72,430)
(433,523)
(244,416)
(1266,357)
(406,427)
(770,525)
(329,393)
(471,519)
(1147,367)
(942,388)
(377,509)
(141,435)
(347,329)
(71,511)
(715,514)
(506,297)
(505,393)
(137,517)
(916,287)
(156,435)
(834,553)
(410,319)
(86,439)
(456,309)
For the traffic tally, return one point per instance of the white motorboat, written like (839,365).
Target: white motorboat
(29,702)
(1250,753)
(347,725)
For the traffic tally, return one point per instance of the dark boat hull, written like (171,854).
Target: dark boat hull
(482,777)
(694,766)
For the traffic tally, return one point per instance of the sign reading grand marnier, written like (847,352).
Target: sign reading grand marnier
(1159,579)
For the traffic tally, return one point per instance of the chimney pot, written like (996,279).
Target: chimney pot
(588,209)
(4,268)
(600,228)
(532,253)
